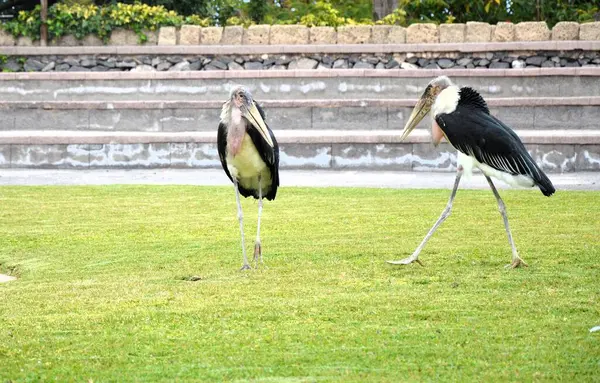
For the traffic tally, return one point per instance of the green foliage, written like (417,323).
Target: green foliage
(243,21)
(257,10)
(398,17)
(182,7)
(218,11)
(26,24)
(311,13)
(360,10)
(81,20)
(139,17)
(83,17)
(323,14)
(79,2)
(557,10)
(493,11)
(78,20)
(197,20)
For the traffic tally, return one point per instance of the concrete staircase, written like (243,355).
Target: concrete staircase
(322,119)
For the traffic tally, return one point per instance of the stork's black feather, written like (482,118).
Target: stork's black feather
(268,154)
(471,98)
(473,131)
(222,147)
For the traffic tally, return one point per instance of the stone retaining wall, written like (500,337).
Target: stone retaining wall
(573,86)
(535,114)
(350,155)
(471,32)
(322,118)
(178,63)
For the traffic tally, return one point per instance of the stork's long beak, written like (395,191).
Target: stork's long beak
(253,115)
(420,111)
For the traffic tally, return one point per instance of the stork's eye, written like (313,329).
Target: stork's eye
(427,90)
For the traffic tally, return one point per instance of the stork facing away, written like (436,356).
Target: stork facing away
(250,156)
(462,117)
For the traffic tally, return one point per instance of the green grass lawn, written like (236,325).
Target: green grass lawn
(103,290)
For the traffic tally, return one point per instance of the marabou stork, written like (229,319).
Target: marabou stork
(462,117)
(250,156)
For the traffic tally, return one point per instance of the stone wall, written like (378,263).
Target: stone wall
(346,119)
(416,157)
(471,32)
(178,63)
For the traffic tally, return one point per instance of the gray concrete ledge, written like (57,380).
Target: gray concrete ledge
(300,73)
(305,49)
(57,137)
(367,150)
(289,178)
(314,103)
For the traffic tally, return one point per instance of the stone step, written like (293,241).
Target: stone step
(293,84)
(534,113)
(554,150)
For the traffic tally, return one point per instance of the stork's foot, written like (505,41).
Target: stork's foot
(406,261)
(246,267)
(258,258)
(517,262)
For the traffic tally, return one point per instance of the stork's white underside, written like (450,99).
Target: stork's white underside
(469,163)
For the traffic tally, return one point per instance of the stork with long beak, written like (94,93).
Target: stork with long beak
(461,116)
(250,156)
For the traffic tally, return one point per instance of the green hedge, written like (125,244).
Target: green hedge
(361,11)
(493,11)
(82,20)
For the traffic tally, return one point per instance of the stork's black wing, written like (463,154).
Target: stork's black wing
(222,147)
(473,131)
(270,155)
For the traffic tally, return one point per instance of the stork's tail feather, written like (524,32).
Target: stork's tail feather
(545,185)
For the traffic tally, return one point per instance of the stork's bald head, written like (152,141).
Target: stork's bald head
(433,89)
(240,96)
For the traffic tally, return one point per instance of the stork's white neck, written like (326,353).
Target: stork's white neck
(236,129)
(446,101)
(236,116)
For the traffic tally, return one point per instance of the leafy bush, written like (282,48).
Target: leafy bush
(323,14)
(493,11)
(25,24)
(257,10)
(81,20)
(398,17)
(235,20)
(197,20)
(78,20)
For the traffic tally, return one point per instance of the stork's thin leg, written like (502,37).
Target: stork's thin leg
(516,260)
(445,214)
(257,248)
(246,265)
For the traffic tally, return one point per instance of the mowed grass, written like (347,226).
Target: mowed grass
(103,290)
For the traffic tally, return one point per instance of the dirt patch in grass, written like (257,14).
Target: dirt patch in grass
(8,273)
(6,278)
